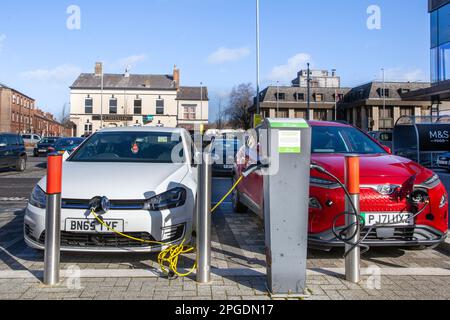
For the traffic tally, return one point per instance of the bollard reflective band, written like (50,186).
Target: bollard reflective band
(353,173)
(54,174)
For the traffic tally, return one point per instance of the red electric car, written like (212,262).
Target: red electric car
(387,185)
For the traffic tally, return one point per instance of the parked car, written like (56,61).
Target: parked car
(44,145)
(224,152)
(31,140)
(443,161)
(385,180)
(67,144)
(12,152)
(385,138)
(148,176)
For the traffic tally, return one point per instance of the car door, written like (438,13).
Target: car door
(14,149)
(3,150)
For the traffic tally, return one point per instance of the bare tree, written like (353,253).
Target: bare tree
(241,99)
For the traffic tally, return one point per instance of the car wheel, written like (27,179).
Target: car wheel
(21,164)
(238,206)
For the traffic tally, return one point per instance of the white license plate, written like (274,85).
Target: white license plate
(442,163)
(42,150)
(92,225)
(393,219)
(228,166)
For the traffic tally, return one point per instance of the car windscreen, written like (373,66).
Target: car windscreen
(227,146)
(48,140)
(66,143)
(344,140)
(139,147)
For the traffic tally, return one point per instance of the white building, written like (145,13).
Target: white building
(119,100)
(318,78)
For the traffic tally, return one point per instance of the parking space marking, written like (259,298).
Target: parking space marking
(13,199)
(244,272)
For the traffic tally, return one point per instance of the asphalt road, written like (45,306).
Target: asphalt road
(14,185)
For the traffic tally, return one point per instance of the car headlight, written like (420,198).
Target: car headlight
(323,183)
(171,199)
(431,182)
(38,198)
(443,201)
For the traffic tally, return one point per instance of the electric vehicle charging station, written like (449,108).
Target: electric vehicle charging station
(286,143)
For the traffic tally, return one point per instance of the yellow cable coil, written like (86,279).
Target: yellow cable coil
(168,257)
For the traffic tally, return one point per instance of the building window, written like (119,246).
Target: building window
(300,114)
(138,106)
(406,111)
(14,99)
(282,114)
(189,112)
(318,97)
(300,96)
(113,106)
(280,96)
(384,93)
(88,129)
(88,106)
(160,107)
(320,115)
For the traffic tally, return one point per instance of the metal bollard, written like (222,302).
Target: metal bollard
(204,219)
(53,220)
(353,259)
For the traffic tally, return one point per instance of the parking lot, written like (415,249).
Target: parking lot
(238,261)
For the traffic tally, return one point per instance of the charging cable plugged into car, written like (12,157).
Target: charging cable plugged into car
(169,256)
(417,198)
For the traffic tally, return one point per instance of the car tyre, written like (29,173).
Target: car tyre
(21,164)
(238,206)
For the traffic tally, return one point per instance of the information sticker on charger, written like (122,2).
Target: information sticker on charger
(290,142)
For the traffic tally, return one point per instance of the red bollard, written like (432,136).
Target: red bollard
(53,220)
(353,257)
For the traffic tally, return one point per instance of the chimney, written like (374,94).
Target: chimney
(176,76)
(98,68)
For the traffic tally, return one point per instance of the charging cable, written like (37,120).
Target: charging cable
(343,234)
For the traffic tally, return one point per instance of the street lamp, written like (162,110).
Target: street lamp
(384,98)
(258,110)
(308,80)
(278,98)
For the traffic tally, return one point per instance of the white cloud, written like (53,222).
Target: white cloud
(403,74)
(131,60)
(58,75)
(2,39)
(287,72)
(223,55)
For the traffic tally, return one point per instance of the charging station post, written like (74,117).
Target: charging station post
(353,251)
(204,218)
(287,145)
(53,220)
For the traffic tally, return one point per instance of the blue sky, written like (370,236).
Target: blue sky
(212,41)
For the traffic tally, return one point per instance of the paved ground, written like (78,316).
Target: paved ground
(238,261)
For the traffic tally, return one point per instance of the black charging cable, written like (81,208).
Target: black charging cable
(343,234)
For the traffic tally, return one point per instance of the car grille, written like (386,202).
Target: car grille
(115,204)
(112,240)
(400,234)
(29,232)
(372,201)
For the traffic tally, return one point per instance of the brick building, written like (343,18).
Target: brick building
(18,114)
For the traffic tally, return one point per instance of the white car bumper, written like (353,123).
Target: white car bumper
(168,226)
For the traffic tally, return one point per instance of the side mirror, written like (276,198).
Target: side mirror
(387,149)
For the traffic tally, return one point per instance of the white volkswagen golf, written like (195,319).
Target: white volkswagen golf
(148,176)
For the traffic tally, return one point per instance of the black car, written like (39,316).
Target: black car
(224,154)
(43,146)
(12,152)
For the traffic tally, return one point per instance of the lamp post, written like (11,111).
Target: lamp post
(384,98)
(258,109)
(101,100)
(308,84)
(278,98)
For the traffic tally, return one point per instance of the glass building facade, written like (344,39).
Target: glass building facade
(440,44)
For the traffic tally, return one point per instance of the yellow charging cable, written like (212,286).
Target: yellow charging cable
(168,257)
